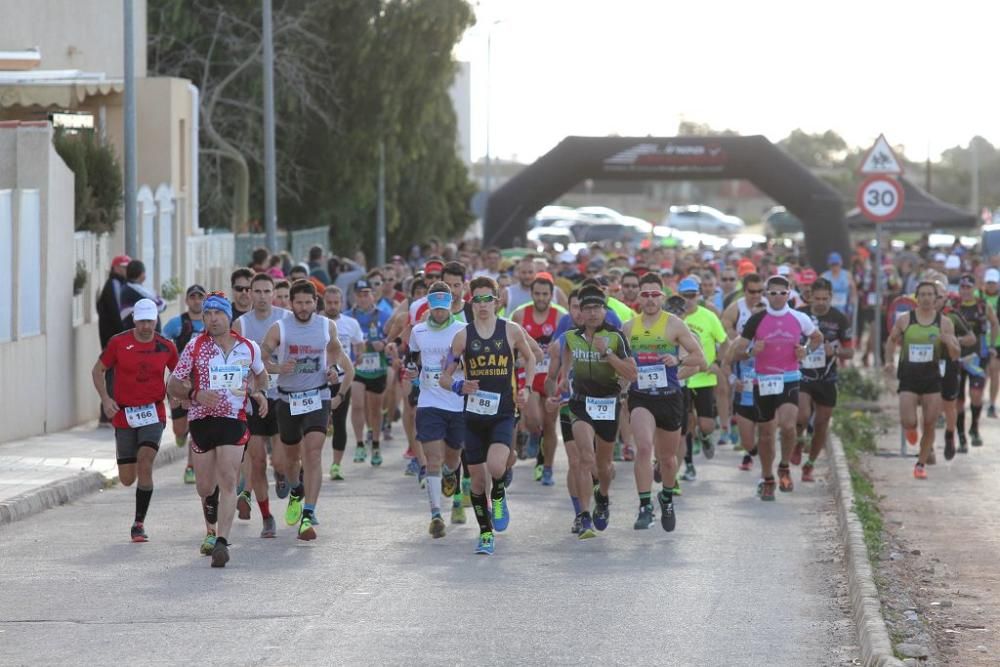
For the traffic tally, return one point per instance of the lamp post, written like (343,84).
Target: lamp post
(487,171)
(270,182)
(131,171)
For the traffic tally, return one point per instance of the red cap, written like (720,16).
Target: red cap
(433,266)
(121,260)
(746,267)
(544,275)
(806,277)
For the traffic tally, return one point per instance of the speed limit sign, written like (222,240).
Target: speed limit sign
(880,198)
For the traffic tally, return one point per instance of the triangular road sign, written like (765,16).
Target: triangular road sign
(881,159)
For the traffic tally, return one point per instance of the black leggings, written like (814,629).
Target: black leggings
(339,418)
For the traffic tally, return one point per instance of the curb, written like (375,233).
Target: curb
(876,648)
(75,487)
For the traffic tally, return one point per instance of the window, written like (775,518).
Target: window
(29,264)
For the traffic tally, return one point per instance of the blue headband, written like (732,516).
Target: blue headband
(439,300)
(216,302)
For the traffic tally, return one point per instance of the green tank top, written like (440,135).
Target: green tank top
(921,342)
(648,347)
(592,375)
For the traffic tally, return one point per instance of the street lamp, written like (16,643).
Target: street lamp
(487,175)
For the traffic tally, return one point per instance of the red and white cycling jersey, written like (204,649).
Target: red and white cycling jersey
(228,375)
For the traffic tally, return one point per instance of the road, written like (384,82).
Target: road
(739,583)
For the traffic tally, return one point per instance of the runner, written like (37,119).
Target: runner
(180,330)
(487,347)
(306,347)
(775,334)
(599,358)
(281,298)
(924,337)
(371,375)
(655,398)
(818,391)
(254,326)
(734,318)
(219,372)
(140,358)
(991,294)
(440,412)
(239,282)
(353,342)
(520,294)
(982,319)
(950,373)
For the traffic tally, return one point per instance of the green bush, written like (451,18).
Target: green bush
(98,179)
(853,383)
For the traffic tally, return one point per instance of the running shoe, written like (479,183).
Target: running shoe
(548,478)
(293,514)
(575,528)
(508,478)
(949,445)
(668,520)
(208,544)
(281,487)
(539,469)
(734,434)
(645,518)
(422,477)
(269,529)
(534,443)
(306,530)
(436,528)
(485,546)
(991,412)
(785,483)
(707,446)
(457,514)
(189,475)
(977,440)
(586,529)
(807,472)
(689,474)
(466,492)
(139,532)
(376,457)
(449,484)
(747,462)
(656,473)
(767,490)
(912,436)
(796,458)
(220,554)
(501,514)
(243,506)
(723,438)
(335,474)
(412,468)
(696,447)
(181,440)
(919,472)
(602,513)
(963,443)
(677,488)
(628,453)
(360,454)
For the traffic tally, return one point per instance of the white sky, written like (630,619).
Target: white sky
(922,73)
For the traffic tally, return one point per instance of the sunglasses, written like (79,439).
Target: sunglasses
(484,298)
(240,290)
(650,294)
(755,291)
(690,295)
(727,280)
(777,293)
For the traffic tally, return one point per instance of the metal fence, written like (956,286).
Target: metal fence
(297,243)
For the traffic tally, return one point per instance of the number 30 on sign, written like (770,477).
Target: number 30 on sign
(880,198)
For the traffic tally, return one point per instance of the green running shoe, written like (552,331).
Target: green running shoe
(294,512)
(306,530)
(457,514)
(335,473)
(208,544)
(189,475)
(539,471)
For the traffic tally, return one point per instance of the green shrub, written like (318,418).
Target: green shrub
(98,179)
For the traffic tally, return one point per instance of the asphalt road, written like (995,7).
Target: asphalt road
(739,583)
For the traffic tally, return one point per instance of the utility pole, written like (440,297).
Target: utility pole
(380,209)
(131,172)
(270,184)
(974,149)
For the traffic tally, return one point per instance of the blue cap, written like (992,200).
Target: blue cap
(218,302)
(687,285)
(834,258)
(439,300)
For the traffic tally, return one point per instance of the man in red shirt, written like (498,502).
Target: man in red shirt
(140,358)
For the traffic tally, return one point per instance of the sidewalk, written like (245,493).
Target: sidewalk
(943,546)
(50,470)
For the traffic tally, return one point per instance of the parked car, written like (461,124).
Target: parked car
(561,235)
(704,219)
(779,222)
(599,214)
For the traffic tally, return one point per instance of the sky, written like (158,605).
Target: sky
(924,74)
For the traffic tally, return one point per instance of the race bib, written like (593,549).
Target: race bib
(370,362)
(771,384)
(871,299)
(272,380)
(486,403)
(542,367)
(302,402)
(225,377)
(921,354)
(601,409)
(838,300)
(430,377)
(815,359)
(142,415)
(652,377)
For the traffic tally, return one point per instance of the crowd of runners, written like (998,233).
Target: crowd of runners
(652,356)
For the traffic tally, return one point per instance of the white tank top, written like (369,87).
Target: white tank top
(434,346)
(305,343)
(743,316)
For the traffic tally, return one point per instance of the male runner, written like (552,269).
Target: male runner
(281,298)
(655,398)
(487,347)
(982,319)
(239,282)
(818,388)
(218,372)
(734,318)
(951,372)
(140,357)
(180,330)
(775,334)
(254,326)
(353,342)
(991,294)
(371,375)
(306,347)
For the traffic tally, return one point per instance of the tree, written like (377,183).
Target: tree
(815,150)
(97,176)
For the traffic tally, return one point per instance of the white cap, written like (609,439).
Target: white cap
(145,309)
(707,256)
(991,276)
(939,257)
(567,256)
(784,270)
(953,262)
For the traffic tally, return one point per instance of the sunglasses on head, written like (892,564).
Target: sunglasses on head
(240,288)
(775,292)
(650,294)
(483,298)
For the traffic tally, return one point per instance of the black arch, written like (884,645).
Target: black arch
(753,158)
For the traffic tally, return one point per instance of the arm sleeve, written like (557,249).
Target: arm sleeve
(750,328)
